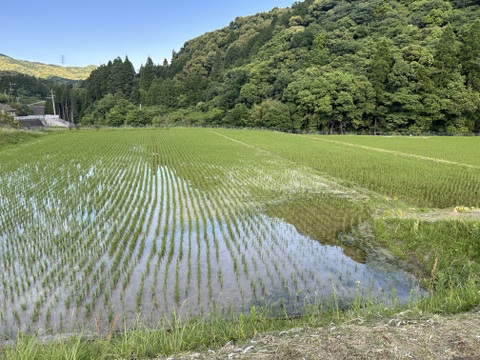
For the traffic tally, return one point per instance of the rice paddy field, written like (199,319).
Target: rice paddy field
(105,228)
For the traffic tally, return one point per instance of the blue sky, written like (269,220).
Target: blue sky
(92,32)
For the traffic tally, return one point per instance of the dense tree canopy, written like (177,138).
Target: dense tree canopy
(333,66)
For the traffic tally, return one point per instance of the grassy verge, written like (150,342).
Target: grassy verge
(12,137)
(173,335)
(406,335)
(443,254)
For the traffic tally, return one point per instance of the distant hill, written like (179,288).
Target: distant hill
(44,71)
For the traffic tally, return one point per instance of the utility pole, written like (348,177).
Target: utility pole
(53,102)
(10,90)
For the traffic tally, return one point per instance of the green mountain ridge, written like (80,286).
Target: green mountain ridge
(331,66)
(44,71)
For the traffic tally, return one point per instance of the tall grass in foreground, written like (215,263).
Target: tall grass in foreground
(445,255)
(173,335)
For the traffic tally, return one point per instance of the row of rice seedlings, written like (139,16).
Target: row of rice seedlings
(160,236)
(48,207)
(90,291)
(174,238)
(409,179)
(136,248)
(131,250)
(88,263)
(201,231)
(345,225)
(165,252)
(169,233)
(82,263)
(22,250)
(192,219)
(233,236)
(36,307)
(235,231)
(140,248)
(185,216)
(459,149)
(209,237)
(206,233)
(149,228)
(202,246)
(161,219)
(200,243)
(266,254)
(256,233)
(248,251)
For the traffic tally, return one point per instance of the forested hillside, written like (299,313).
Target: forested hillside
(20,90)
(43,71)
(322,65)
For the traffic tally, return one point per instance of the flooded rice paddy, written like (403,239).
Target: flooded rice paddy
(131,235)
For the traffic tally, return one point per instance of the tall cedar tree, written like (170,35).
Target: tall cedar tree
(147,74)
(471,56)
(381,67)
(446,57)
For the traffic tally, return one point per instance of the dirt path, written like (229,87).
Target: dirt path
(458,213)
(403,337)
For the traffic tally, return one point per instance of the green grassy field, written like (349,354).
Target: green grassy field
(462,150)
(106,229)
(417,181)
(10,137)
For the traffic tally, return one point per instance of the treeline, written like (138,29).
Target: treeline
(14,86)
(19,90)
(323,65)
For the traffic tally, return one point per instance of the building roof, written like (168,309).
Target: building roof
(6,107)
(38,109)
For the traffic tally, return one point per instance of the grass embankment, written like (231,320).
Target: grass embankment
(444,254)
(13,137)
(404,336)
